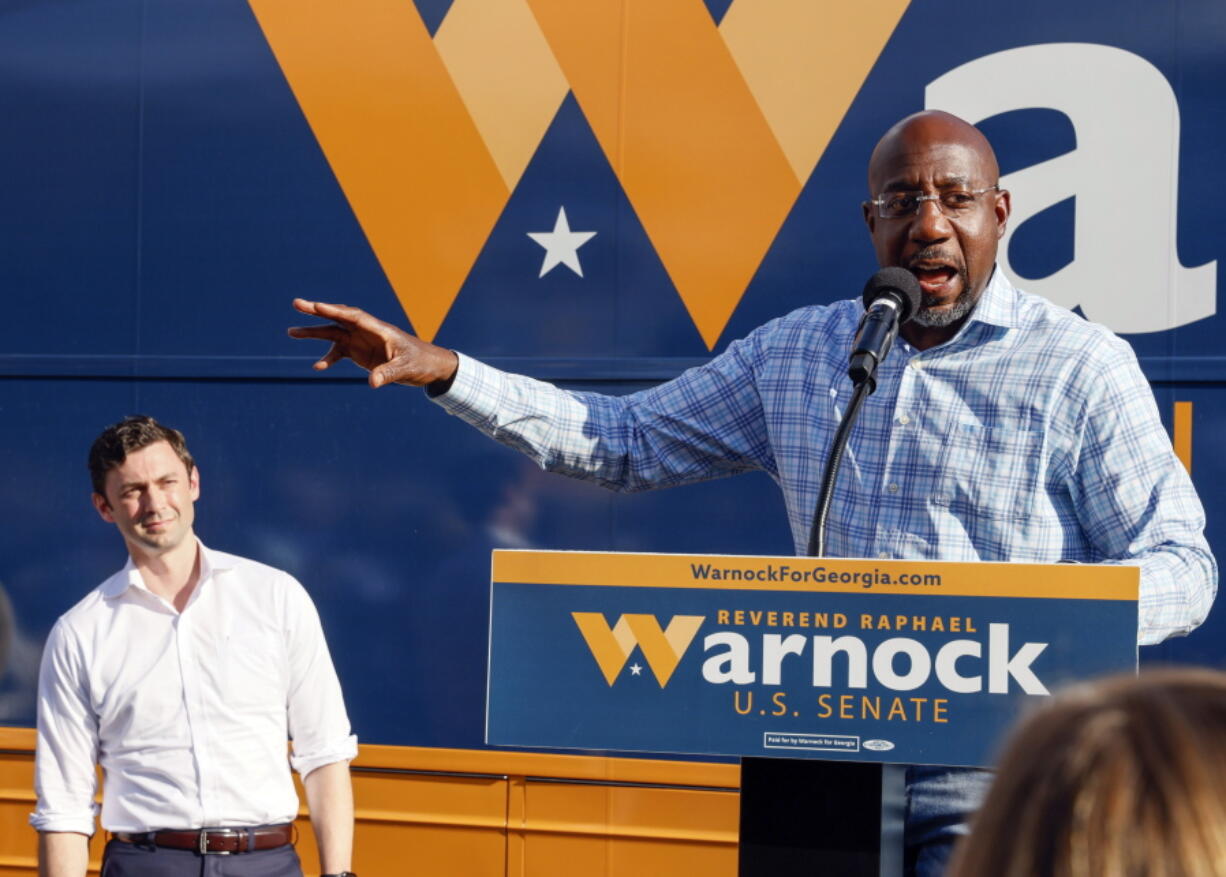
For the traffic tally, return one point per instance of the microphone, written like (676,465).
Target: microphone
(891,297)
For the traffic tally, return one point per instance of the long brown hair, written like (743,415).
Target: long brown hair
(1125,777)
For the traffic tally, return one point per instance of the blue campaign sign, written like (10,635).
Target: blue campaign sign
(895,661)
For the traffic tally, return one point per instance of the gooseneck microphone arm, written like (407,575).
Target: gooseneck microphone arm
(817,535)
(891,297)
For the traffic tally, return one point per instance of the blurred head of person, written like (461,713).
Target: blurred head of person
(1123,777)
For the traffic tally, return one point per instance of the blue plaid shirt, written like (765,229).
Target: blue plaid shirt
(1031,436)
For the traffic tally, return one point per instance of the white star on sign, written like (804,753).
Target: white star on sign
(636,669)
(561,245)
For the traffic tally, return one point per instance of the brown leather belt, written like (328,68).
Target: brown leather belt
(220,841)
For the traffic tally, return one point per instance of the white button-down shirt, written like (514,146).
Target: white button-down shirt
(188,713)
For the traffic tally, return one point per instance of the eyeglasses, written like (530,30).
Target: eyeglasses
(951,202)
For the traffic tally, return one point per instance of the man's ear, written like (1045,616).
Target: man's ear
(1004,206)
(870,216)
(194,480)
(103,507)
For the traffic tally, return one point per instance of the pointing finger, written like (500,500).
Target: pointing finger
(356,318)
(326,333)
(338,312)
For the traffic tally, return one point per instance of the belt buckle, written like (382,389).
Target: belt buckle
(204,844)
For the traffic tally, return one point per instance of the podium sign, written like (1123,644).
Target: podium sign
(913,662)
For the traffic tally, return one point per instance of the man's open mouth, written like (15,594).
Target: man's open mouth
(934,279)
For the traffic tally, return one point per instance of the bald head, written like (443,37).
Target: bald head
(945,172)
(921,133)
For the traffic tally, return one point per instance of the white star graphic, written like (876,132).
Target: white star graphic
(561,245)
(636,669)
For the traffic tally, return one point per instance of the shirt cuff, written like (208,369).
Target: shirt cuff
(474,391)
(81,822)
(305,762)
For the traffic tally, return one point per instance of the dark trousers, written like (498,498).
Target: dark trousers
(122,859)
(940,802)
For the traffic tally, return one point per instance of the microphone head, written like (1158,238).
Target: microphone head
(899,283)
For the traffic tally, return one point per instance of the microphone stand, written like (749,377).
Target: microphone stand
(817,535)
(807,816)
(803,817)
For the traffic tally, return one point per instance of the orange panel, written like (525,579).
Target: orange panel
(539,764)
(1182,439)
(18,841)
(424,824)
(570,856)
(696,815)
(627,831)
(17,738)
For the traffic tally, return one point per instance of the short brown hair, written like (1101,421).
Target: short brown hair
(132,433)
(1126,776)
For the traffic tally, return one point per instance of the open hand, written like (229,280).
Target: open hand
(389,353)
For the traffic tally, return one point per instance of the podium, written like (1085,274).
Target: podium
(844,664)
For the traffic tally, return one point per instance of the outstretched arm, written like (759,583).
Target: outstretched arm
(704,424)
(390,354)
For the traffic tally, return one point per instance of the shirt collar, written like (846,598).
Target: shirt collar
(998,305)
(129,577)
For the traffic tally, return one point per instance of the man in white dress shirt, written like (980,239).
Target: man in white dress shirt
(183,675)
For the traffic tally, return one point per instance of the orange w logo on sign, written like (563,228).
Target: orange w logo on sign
(711,130)
(611,647)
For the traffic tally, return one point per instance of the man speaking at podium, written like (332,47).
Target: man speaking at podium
(1003,428)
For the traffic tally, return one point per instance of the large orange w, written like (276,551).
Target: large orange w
(712,131)
(662,649)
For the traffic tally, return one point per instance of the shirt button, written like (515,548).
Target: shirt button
(903,419)
(917,363)
(884,555)
(892,488)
